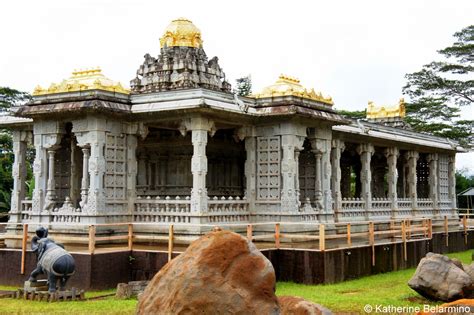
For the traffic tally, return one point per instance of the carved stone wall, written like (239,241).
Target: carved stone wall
(115,171)
(443,176)
(268,168)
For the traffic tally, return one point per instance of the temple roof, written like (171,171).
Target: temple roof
(181,32)
(286,86)
(83,80)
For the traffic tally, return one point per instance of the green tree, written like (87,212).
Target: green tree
(440,88)
(8,98)
(463,181)
(357,114)
(244,86)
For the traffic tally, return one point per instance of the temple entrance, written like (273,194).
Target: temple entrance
(68,169)
(164,164)
(307,173)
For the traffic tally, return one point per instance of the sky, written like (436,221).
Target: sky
(353,51)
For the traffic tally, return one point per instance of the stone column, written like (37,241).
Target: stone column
(85,177)
(251,170)
(289,202)
(132,166)
(18,174)
(433,179)
(142,171)
(452,182)
(392,156)
(97,164)
(51,187)
(199,170)
(337,149)
(297,177)
(412,160)
(365,151)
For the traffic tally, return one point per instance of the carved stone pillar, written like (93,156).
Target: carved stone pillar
(199,170)
(433,179)
(297,176)
(337,149)
(289,202)
(142,171)
(20,139)
(452,181)
(365,151)
(412,160)
(132,143)
(51,188)
(251,170)
(392,156)
(97,164)
(85,177)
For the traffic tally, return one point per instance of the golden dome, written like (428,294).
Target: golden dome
(82,80)
(286,86)
(181,32)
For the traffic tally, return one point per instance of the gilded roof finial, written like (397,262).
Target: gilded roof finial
(286,85)
(374,112)
(82,80)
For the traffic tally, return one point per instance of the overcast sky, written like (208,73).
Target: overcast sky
(354,51)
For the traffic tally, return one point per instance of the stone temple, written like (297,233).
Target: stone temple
(180,147)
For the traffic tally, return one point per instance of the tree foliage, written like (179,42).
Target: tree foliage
(440,88)
(464,180)
(357,114)
(8,98)
(11,97)
(244,86)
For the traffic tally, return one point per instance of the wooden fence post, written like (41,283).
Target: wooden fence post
(349,240)
(464,225)
(277,235)
(91,239)
(446,230)
(249,232)
(372,240)
(170,242)
(322,238)
(404,239)
(23,247)
(430,228)
(130,236)
(408,228)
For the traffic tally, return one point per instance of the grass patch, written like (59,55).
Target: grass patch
(349,296)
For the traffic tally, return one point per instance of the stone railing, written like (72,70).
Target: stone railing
(159,209)
(26,209)
(425,203)
(231,204)
(405,207)
(230,209)
(352,208)
(381,207)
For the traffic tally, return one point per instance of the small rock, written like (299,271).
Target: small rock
(293,305)
(438,278)
(124,291)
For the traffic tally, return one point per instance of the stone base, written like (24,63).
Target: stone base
(35,286)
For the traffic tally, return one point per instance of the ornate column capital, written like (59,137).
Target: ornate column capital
(338,144)
(365,148)
(432,157)
(412,155)
(391,151)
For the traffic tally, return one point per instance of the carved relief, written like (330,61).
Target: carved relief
(268,168)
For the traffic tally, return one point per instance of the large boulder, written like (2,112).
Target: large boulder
(438,278)
(292,305)
(220,273)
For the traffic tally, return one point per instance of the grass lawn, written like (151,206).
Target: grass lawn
(350,296)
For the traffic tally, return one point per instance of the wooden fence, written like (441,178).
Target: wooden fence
(272,236)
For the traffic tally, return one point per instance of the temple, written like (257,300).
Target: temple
(180,147)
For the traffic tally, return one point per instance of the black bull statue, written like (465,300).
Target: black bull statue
(53,260)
